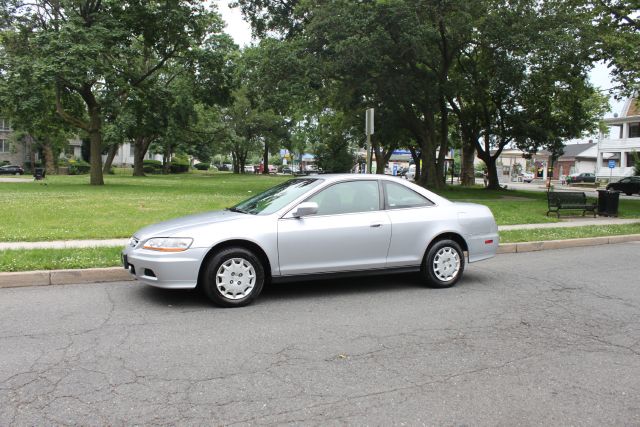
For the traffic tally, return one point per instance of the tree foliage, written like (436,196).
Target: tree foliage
(101,52)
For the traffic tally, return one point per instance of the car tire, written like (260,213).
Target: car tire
(628,193)
(443,264)
(224,274)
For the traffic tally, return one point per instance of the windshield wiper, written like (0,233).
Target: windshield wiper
(234,209)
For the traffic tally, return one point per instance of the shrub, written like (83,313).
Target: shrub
(202,166)
(78,167)
(178,166)
(152,166)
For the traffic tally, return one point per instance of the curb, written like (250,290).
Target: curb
(63,277)
(544,245)
(118,274)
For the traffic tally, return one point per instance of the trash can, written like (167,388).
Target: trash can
(608,202)
(38,173)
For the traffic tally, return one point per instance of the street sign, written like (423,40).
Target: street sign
(368,122)
(612,164)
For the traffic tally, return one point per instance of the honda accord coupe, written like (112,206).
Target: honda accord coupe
(314,227)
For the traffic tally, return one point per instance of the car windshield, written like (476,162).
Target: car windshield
(275,198)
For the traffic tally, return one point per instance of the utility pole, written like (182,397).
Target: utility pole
(368,127)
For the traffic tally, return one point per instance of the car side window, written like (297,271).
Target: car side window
(348,197)
(399,197)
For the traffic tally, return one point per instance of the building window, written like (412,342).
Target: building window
(634,130)
(4,124)
(4,146)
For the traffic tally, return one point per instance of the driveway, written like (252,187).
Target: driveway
(546,338)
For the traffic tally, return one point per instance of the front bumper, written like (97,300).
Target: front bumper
(175,270)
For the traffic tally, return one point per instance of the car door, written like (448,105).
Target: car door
(414,221)
(350,232)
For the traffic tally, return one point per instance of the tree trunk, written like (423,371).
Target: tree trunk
(265,159)
(95,135)
(32,154)
(492,170)
(138,156)
(236,164)
(95,157)
(417,162)
(113,150)
(439,178)
(47,150)
(166,160)
(140,147)
(467,170)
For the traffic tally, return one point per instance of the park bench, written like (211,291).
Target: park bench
(569,200)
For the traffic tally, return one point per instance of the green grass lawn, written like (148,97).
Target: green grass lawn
(516,236)
(66,207)
(58,259)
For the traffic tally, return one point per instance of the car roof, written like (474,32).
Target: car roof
(337,177)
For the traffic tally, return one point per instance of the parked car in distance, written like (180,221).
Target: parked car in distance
(581,177)
(313,227)
(527,176)
(249,168)
(273,169)
(11,170)
(628,185)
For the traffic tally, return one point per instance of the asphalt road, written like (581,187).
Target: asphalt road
(543,338)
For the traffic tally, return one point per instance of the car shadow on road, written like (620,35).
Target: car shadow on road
(298,290)
(343,286)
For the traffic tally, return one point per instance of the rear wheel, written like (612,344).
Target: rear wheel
(444,264)
(234,277)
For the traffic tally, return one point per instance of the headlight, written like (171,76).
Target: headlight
(168,244)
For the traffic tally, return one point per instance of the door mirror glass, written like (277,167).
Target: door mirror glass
(305,209)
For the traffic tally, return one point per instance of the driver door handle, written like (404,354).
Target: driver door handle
(376,225)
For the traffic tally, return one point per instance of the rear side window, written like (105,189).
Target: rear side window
(399,197)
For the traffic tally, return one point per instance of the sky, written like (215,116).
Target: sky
(241,33)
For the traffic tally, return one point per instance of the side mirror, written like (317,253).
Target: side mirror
(305,209)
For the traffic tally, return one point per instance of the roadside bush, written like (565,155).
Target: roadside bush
(152,166)
(78,167)
(202,166)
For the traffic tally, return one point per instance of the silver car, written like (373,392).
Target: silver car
(314,227)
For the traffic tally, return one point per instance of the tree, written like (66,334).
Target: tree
(29,104)
(618,24)
(92,50)
(527,87)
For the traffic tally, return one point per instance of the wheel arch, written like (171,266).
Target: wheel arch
(448,235)
(246,244)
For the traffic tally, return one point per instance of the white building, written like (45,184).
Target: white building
(124,156)
(619,144)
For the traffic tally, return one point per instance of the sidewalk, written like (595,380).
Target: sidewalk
(64,244)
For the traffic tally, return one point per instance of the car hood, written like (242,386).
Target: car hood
(168,228)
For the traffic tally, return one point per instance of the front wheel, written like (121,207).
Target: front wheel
(234,277)
(444,264)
